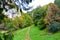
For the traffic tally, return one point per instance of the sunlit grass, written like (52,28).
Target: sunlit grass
(20,34)
(37,34)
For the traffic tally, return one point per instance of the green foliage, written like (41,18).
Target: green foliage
(8,36)
(1,15)
(27,20)
(52,18)
(24,20)
(7,20)
(9,26)
(41,24)
(54,27)
(1,35)
(19,22)
(38,16)
(15,23)
(57,2)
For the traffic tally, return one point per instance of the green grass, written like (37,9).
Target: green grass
(35,34)
(20,34)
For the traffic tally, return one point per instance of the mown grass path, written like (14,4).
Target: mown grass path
(20,34)
(28,34)
(37,34)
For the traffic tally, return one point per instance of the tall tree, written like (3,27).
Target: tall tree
(57,2)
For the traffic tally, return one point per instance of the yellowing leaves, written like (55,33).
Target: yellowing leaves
(52,14)
(21,18)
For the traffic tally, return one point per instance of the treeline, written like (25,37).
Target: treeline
(47,17)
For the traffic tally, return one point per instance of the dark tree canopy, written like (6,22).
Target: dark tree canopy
(57,2)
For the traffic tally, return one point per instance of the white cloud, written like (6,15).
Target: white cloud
(36,3)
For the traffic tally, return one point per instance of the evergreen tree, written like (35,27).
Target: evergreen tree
(57,2)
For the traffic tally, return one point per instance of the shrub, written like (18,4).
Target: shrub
(9,26)
(23,21)
(2,16)
(7,20)
(0,36)
(8,36)
(38,17)
(15,24)
(57,2)
(54,26)
(27,20)
(20,21)
(41,24)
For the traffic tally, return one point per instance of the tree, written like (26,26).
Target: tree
(1,15)
(52,18)
(25,20)
(57,2)
(38,16)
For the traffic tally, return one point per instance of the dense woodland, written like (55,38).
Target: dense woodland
(46,17)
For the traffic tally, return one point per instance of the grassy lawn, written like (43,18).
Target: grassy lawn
(20,34)
(35,34)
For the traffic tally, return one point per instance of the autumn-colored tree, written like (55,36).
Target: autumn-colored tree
(52,17)
(27,20)
(52,13)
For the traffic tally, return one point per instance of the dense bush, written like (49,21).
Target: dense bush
(18,22)
(0,35)
(41,24)
(38,16)
(8,36)
(25,20)
(8,24)
(11,24)
(54,27)
(1,15)
(57,2)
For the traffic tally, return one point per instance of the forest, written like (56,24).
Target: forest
(41,23)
